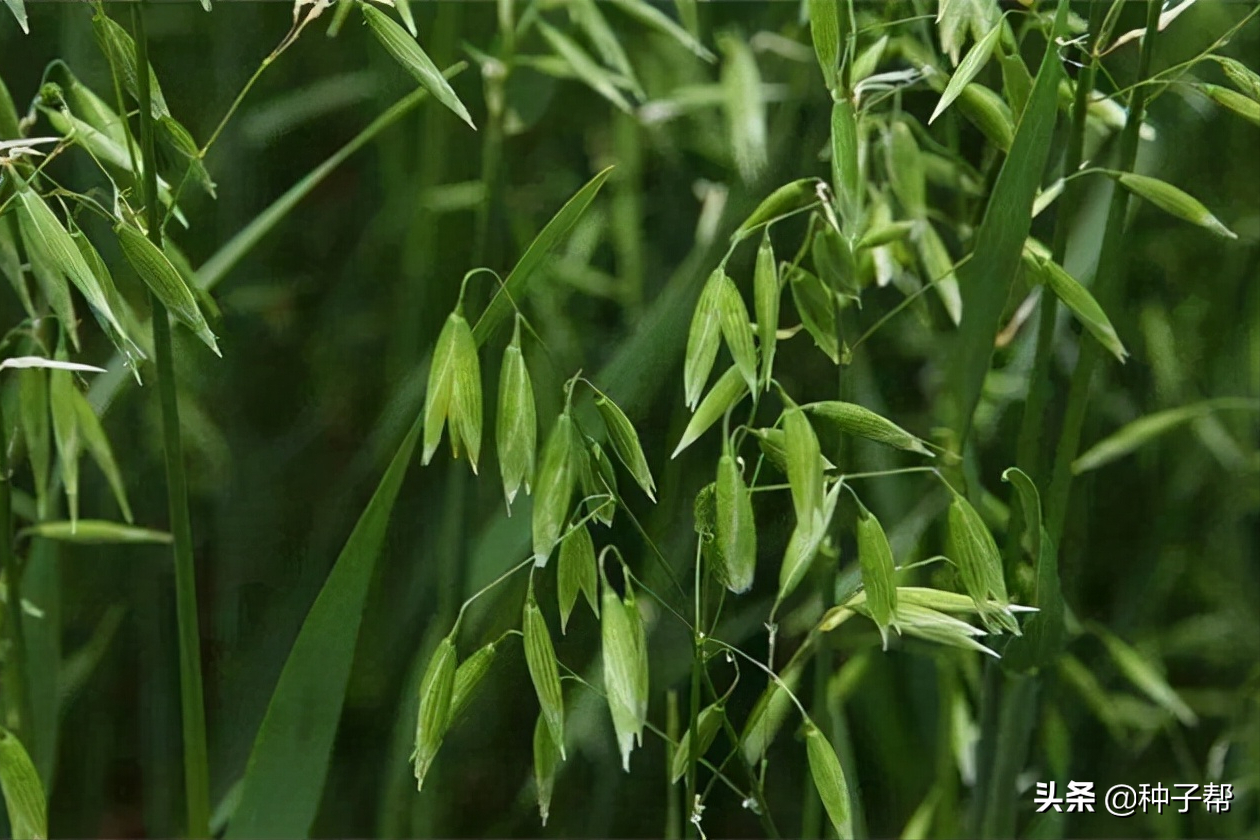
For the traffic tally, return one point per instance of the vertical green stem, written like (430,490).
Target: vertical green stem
(673,814)
(1014,729)
(627,211)
(811,808)
(986,748)
(196,771)
(693,717)
(1107,284)
(17,710)
(491,154)
(1030,430)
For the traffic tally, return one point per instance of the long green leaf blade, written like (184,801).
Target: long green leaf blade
(985,281)
(284,778)
(516,286)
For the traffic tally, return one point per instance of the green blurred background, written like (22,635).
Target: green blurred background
(325,330)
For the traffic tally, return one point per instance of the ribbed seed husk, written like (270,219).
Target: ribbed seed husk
(980,565)
(557,476)
(165,281)
(703,340)
(766,294)
(625,442)
(540,657)
(435,707)
(829,781)
(876,559)
(516,429)
(625,667)
(854,419)
(736,529)
(576,573)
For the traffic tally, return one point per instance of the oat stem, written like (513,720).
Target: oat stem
(17,708)
(1112,261)
(196,771)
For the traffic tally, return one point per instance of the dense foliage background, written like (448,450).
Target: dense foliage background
(326,327)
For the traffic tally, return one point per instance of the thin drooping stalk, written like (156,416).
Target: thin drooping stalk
(192,702)
(17,710)
(1112,261)
(754,782)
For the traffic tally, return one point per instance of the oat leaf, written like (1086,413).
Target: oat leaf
(968,69)
(404,49)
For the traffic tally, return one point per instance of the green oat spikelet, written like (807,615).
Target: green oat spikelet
(804,544)
(971,65)
(735,527)
(557,477)
(980,565)
(804,469)
(829,781)
(544,672)
(625,442)
(846,153)
(468,678)
(165,281)
(453,397)
(878,572)
(404,49)
(708,723)
(729,389)
(576,573)
(815,303)
(434,714)
(766,295)
(624,646)
(703,340)
(546,759)
(736,329)
(1174,201)
(854,419)
(516,429)
(1078,299)
(789,198)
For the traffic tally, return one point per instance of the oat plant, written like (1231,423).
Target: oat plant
(821,419)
